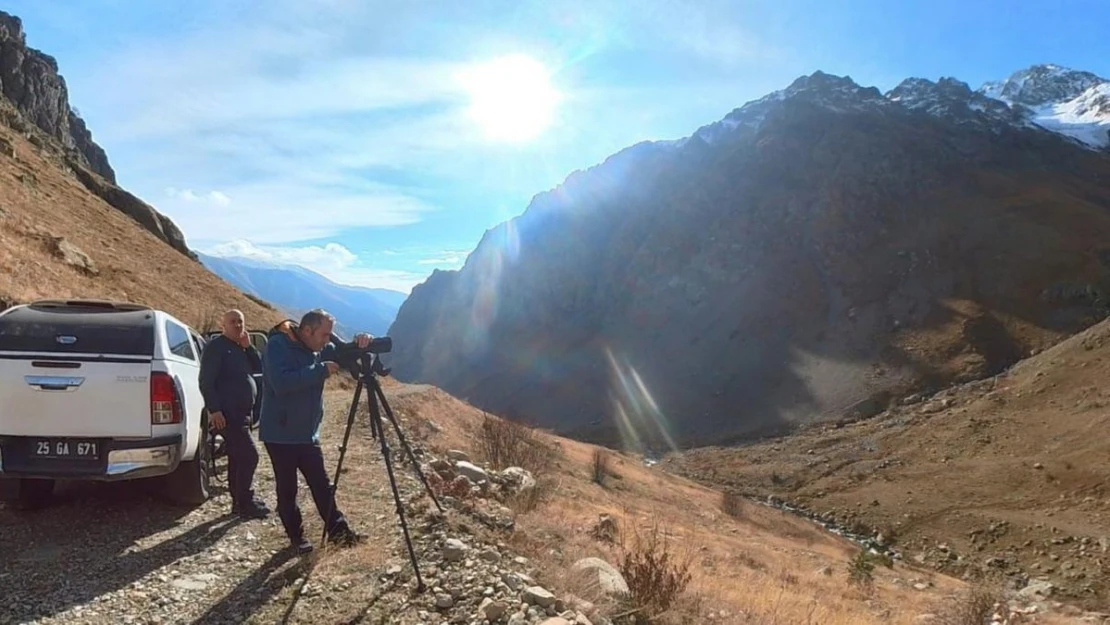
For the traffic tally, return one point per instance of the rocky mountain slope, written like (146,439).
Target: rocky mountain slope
(66,229)
(804,257)
(296,290)
(36,106)
(1006,475)
(1073,103)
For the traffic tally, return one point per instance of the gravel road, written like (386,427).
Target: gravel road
(115,553)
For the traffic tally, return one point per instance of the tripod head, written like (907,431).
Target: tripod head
(360,362)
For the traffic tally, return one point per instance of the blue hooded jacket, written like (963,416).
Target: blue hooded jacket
(293,388)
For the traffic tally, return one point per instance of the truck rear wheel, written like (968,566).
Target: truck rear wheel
(191,483)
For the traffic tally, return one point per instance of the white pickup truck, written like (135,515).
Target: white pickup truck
(94,390)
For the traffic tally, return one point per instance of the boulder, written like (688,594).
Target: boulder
(454,550)
(538,595)
(473,472)
(599,575)
(458,456)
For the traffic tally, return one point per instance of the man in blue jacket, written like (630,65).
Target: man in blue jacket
(296,363)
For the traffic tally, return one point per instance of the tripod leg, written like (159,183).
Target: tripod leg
(376,416)
(375,427)
(342,452)
(377,390)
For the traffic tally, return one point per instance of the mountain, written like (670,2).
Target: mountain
(66,229)
(297,290)
(36,106)
(1071,102)
(806,257)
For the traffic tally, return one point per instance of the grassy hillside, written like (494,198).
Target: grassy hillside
(1010,474)
(58,240)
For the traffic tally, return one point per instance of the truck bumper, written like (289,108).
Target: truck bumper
(119,460)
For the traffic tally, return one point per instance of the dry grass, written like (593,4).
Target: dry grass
(732,504)
(502,443)
(974,606)
(931,476)
(600,467)
(764,567)
(656,573)
(39,202)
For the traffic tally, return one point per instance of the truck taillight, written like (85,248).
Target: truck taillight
(164,406)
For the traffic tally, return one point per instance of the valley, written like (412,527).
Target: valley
(1001,476)
(811,255)
(835,358)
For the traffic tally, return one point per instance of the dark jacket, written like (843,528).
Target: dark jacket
(293,389)
(225,378)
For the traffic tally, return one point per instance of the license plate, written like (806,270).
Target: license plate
(66,448)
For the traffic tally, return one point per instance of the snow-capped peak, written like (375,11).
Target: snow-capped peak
(1071,103)
(838,93)
(1066,101)
(953,100)
(1042,84)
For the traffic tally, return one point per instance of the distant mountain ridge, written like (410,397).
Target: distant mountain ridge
(297,290)
(810,255)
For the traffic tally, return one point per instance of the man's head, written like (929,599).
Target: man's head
(232,324)
(315,329)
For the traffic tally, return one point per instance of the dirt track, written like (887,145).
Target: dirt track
(112,553)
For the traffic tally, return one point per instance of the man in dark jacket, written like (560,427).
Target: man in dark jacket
(297,362)
(229,396)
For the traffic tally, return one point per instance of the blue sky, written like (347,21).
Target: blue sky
(338,134)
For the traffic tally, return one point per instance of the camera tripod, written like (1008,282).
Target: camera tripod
(368,378)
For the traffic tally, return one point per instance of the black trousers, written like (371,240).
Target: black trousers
(287,460)
(242,460)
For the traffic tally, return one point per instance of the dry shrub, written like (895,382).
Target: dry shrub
(210,320)
(258,300)
(861,572)
(605,530)
(732,504)
(502,444)
(600,467)
(528,499)
(657,576)
(974,607)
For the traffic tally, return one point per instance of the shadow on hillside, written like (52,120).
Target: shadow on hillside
(750,287)
(83,545)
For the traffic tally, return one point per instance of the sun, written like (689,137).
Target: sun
(511,98)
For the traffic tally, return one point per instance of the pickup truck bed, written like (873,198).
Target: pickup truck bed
(101,391)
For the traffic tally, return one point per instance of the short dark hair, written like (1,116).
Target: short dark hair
(314,318)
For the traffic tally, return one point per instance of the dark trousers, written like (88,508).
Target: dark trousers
(307,458)
(242,460)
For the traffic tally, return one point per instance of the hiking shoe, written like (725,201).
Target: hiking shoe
(253,511)
(345,538)
(302,546)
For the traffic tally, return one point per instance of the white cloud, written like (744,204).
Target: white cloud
(286,122)
(446,258)
(330,254)
(331,260)
(295,210)
(188,195)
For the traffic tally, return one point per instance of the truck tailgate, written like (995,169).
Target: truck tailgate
(57,396)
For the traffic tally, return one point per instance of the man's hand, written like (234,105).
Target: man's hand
(244,339)
(333,367)
(216,420)
(362,339)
